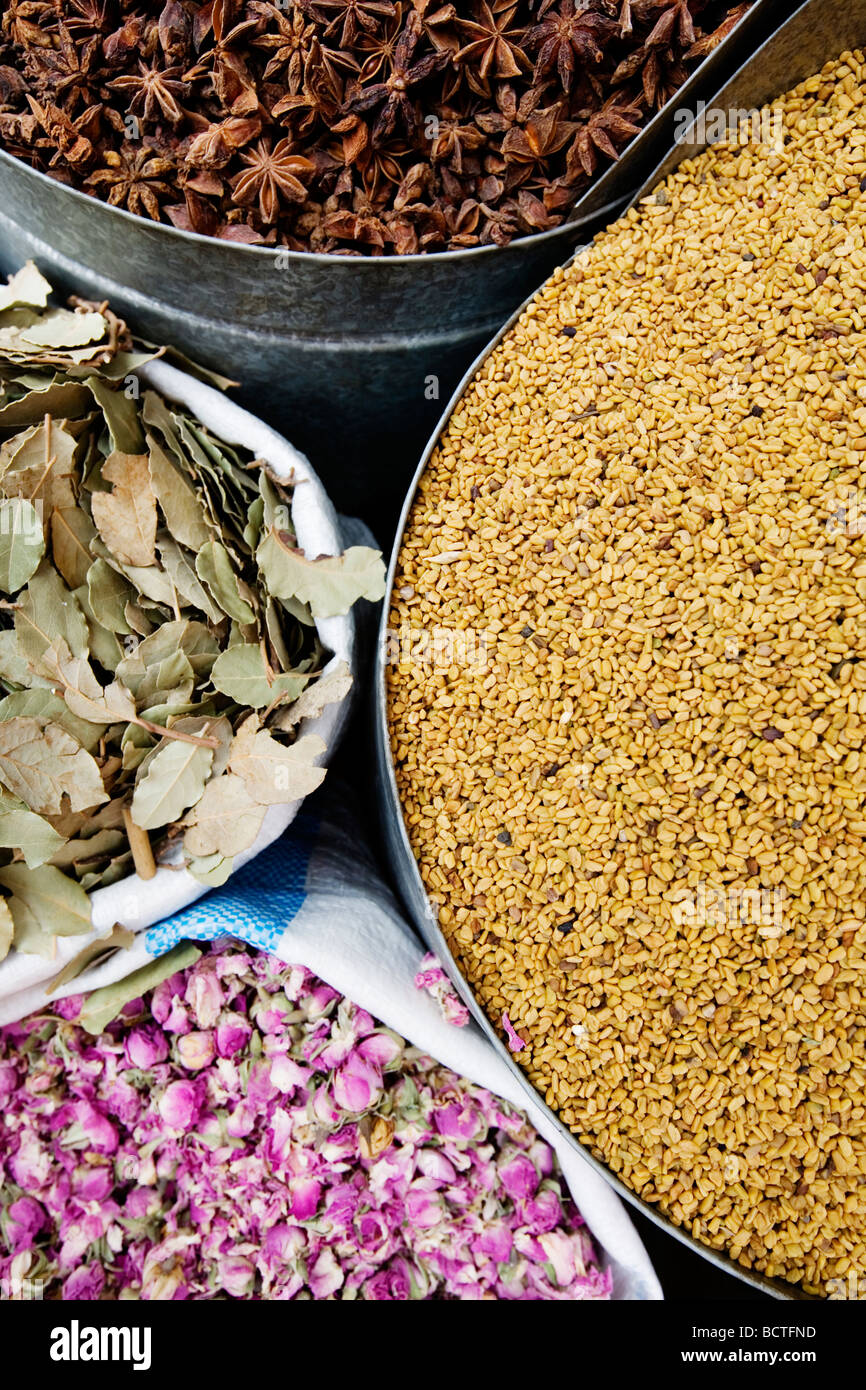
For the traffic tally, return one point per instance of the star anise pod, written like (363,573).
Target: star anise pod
(360,224)
(151,93)
(288,44)
(214,147)
(175,33)
(136,179)
(673,24)
(659,72)
(544,134)
(271,174)
(352,18)
(574,35)
(392,98)
(454,137)
(603,131)
(66,69)
(494,46)
(707,42)
(71,145)
(226,67)
(29,23)
(87,17)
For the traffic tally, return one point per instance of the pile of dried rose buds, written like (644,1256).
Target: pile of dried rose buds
(245,1132)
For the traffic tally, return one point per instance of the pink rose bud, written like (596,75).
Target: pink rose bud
(179,1105)
(356,1084)
(25,1218)
(236,1275)
(304,1200)
(196,1050)
(145,1047)
(495,1241)
(232,1034)
(519,1178)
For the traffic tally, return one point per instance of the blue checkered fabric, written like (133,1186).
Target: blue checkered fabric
(255,904)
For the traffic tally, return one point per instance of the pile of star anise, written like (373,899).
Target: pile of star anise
(354,126)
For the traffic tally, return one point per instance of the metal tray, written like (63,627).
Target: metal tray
(336,352)
(816,32)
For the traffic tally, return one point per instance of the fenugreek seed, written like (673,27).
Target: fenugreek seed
(670,707)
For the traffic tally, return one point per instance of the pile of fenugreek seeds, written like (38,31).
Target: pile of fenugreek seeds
(630,746)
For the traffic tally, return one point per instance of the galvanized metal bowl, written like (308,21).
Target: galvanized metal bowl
(349,357)
(818,31)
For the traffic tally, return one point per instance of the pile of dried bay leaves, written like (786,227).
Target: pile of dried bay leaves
(158,645)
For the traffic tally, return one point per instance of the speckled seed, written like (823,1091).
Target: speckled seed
(639,807)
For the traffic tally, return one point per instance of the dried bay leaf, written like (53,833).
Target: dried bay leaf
(240,673)
(330,585)
(273,773)
(71,534)
(214,568)
(41,763)
(82,692)
(178,500)
(121,416)
(179,565)
(44,904)
(212,869)
(48,612)
(22,829)
(225,821)
(103,1005)
(126,516)
(174,780)
(65,328)
(94,953)
(108,593)
(27,286)
(330,688)
(42,703)
(42,467)
(22,543)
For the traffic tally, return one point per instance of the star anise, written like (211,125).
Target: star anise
(543,135)
(214,147)
(272,174)
(575,35)
(675,22)
(350,126)
(87,16)
(454,138)
(136,179)
(225,67)
(392,98)
(603,131)
(494,42)
(707,42)
(659,72)
(29,23)
(353,18)
(152,93)
(289,46)
(67,68)
(70,144)
(360,224)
